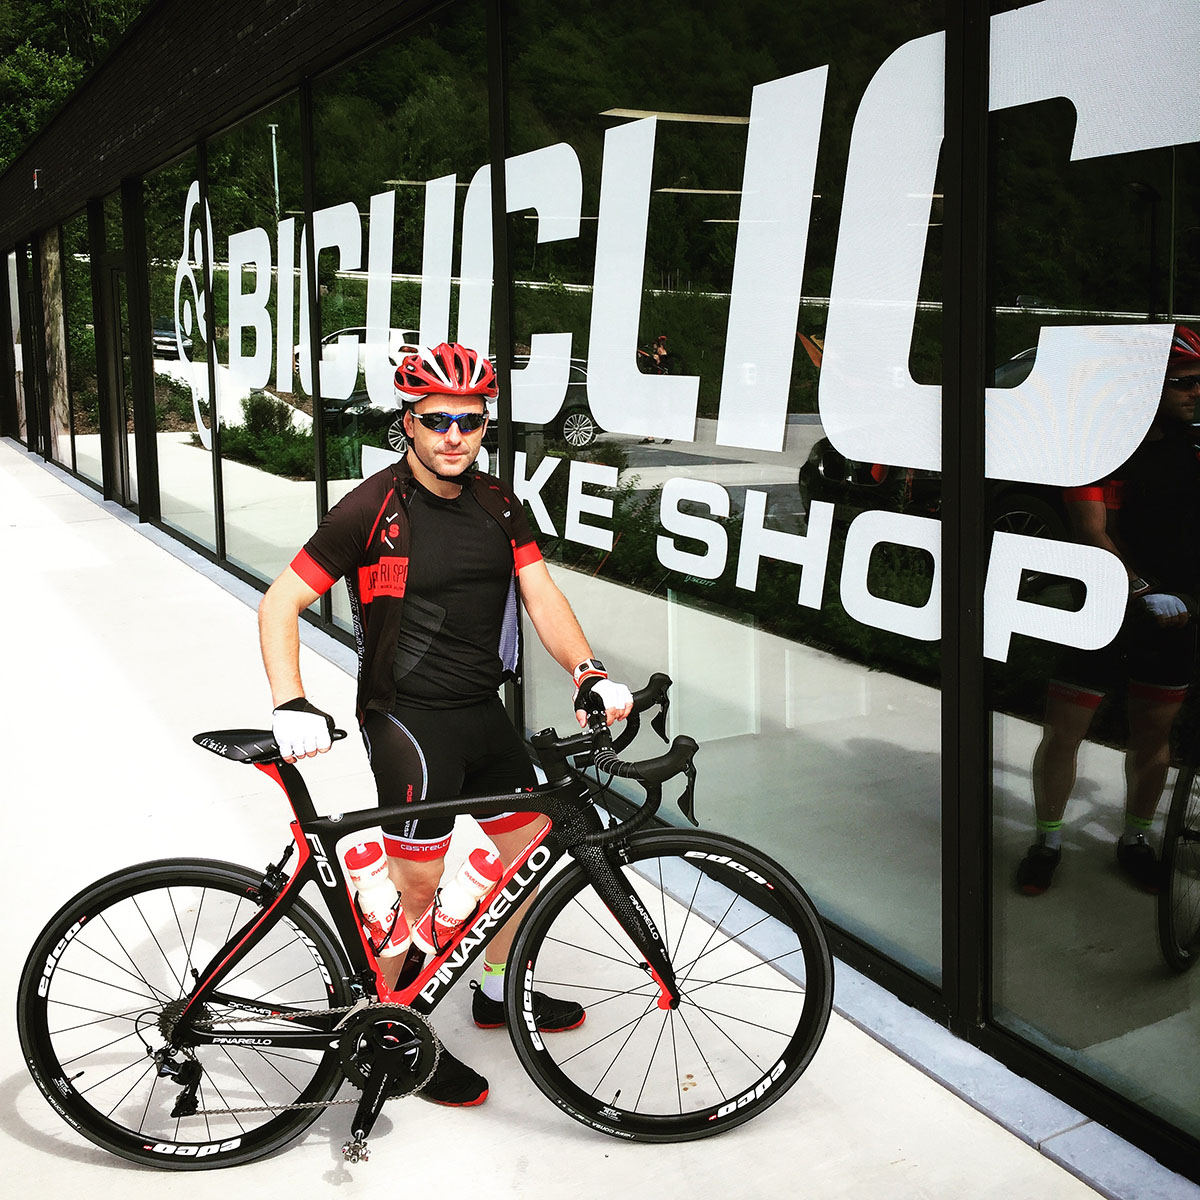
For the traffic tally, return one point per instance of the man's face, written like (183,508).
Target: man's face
(448,453)
(1180,392)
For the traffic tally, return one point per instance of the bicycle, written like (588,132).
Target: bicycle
(1179,899)
(194,1014)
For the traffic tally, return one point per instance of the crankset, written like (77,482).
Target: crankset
(386,1050)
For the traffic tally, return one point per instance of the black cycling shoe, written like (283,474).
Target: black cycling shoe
(455,1084)
(1139,862)
(550,1015)
(1036,869)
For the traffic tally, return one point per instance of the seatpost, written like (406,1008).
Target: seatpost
(294,788)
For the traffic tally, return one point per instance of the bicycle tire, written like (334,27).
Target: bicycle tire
(753,965)
(96,982)
(1179,899)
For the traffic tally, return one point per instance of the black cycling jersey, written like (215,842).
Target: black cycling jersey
(460,568)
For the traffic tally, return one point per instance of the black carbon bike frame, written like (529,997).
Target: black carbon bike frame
(575,827)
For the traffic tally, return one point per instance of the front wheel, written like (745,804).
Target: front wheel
(750,959)
(106,980)
(1179,900)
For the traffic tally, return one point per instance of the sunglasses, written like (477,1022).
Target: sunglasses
(440,422)
(1184,383)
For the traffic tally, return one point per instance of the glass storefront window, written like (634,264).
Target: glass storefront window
(1096,268)
(14,307)
(81,349)
(182,408)
(55,342)
(401,167)
(268,456)
(693,254)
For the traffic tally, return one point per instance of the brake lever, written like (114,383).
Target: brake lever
(659,721)
(687,801)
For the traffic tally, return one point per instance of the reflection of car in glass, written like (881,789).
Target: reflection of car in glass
(162,337)
(574,424)
(1034,510)
(400,343)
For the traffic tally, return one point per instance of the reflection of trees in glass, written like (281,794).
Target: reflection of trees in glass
(1091,236)
(55,344)
(81,333)
(413,111)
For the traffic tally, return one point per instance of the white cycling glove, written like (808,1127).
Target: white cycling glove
(592,679)
(301,729)
(1163,604)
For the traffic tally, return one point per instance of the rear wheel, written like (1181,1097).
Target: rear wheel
(750,959)
(1179,900)
(106,981)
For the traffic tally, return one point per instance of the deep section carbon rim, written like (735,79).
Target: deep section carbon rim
(1179,900)
(106,980)
(754,969)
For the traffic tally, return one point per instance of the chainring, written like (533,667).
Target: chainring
(396,1031)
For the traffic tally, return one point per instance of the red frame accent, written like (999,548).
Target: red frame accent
(408,994)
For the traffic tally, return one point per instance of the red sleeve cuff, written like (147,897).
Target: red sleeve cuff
(312,573)
(524,555)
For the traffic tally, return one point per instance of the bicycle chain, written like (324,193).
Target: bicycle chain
(292,1016)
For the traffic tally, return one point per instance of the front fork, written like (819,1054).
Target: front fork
(630,913)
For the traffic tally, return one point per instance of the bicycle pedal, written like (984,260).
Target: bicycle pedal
(355,1150)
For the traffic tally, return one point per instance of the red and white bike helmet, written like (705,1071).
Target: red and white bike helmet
(450,369)
(1185,348)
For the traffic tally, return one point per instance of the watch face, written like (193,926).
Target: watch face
(589,666)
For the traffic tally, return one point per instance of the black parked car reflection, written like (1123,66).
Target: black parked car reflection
(574,425)
(1034,510)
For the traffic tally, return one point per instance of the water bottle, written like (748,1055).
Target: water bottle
(382,917)
(456,900)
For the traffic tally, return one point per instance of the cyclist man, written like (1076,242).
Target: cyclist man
(435,556)
(1148,514)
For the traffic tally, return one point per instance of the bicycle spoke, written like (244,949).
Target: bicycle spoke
(250,1083)
(650,1067)
(103,1016)
(68,1062)
(632,1029)
(246,967)
(129,1092)
(91,979)
(708,1015)
(216,1087)
(630,1025)
(155,939)
(153,993)
(183,937)
(622,946)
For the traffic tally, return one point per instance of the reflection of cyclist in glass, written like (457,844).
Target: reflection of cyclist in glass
(655,360)
(432,552)
(1148,514)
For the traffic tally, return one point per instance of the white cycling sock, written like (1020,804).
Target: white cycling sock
(493,980)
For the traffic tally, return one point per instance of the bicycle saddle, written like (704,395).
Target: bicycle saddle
(241,745)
